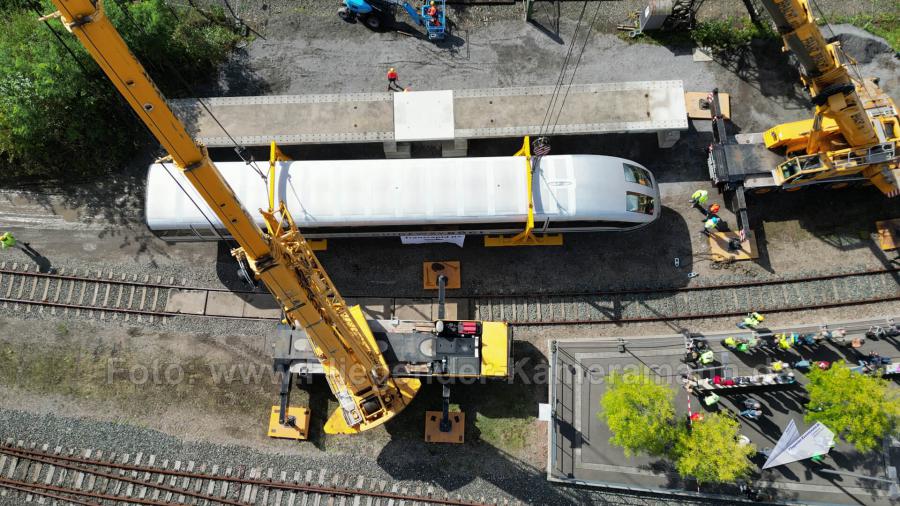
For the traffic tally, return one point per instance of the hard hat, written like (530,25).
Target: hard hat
(760,317)
(391,69)
(714,208)
(432,2)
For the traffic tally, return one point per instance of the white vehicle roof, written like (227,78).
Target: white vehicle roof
(351,193)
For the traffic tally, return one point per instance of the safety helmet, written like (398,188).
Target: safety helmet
(432,3)
(760,317)
(391,69)
(714,208)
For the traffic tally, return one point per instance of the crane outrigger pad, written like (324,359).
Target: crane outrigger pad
(300,428)
(720,249)
(432,270)
(456,434)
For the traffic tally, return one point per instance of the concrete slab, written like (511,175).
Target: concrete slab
(186,301)
(224,304)
(261,305)
(423,116)
(718,247)
(413,309)
(454,309)
(640,106)
(290,119)
(693,100)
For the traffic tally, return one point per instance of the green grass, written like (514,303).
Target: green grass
(884,24)
(508,434)
(718,35)
(728,34)
(134,382)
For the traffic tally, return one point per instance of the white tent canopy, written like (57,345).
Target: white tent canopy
(791,447)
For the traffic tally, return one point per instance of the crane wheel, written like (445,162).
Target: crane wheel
(372,22)
(345,14)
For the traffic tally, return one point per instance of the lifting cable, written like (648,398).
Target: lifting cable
(239,149)
(548,115)
(549,123)
(575,69)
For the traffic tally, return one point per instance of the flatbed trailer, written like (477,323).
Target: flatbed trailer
(742,163)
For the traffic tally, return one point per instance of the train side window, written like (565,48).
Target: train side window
(638,203)
(635,174)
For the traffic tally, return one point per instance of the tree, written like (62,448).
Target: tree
(711,452)
(60,117)
(860,409)
(639,413)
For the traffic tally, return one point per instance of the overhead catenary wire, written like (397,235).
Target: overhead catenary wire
(36,8)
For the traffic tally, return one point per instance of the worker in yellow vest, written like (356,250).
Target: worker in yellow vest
(751,321)
(7,240)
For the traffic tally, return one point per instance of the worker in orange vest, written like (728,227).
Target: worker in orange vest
(392,80)
(432,12)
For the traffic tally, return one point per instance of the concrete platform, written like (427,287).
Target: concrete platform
(579,451)
(643,106)
(186,301)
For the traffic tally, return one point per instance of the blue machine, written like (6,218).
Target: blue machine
(374,13)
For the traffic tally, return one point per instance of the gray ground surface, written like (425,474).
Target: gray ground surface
(309,50)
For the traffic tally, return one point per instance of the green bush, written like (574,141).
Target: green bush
(60,118)
(729,34)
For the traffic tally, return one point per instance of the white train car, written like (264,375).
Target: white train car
(415,197)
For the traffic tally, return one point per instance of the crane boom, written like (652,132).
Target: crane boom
(355,368)
(855,130)
(828,79)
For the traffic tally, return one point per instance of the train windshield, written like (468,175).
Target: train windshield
(635,174)
(638,203)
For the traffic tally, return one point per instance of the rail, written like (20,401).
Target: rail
(87,478)
(105,294)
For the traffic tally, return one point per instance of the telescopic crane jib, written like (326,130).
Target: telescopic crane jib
(354,367)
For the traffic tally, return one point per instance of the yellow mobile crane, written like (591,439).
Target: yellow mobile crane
(339,336)
(855,130)
(853,135)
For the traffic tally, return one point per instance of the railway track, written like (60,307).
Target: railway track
(106,295)
(99,294)
(54,476)
(696,302)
